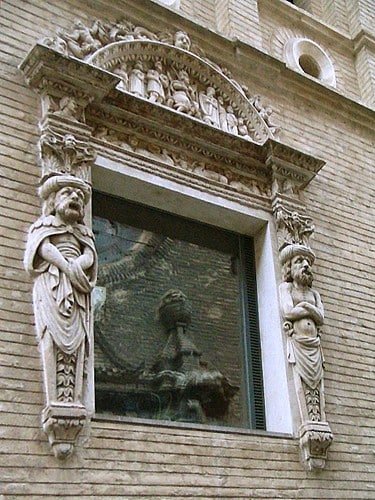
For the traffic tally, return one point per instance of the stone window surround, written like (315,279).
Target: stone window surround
(112,177)
(238,179)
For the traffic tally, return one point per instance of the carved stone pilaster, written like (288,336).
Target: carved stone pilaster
(303,318)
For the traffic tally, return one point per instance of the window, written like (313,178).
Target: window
(176,321)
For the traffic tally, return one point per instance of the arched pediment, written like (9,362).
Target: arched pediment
(174,77)
(168,70)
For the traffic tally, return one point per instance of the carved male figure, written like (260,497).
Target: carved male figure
(182,94)
(60,255)
(303,313)
(210,107)
(137,80)
(182,40)
(156,83)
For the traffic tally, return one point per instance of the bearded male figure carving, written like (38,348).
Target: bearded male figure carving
(303,315)
(60,255)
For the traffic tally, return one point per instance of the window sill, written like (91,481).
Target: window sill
(190,426)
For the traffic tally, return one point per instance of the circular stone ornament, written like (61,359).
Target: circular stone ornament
(307,57)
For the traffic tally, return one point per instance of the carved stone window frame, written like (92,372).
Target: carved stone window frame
(94,130)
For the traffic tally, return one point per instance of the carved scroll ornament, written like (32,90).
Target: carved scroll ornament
(303,316)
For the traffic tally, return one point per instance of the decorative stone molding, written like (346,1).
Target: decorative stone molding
(307,57)
(155,103)
(304,55)
(303,317)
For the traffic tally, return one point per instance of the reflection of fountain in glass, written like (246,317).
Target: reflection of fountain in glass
(175,358)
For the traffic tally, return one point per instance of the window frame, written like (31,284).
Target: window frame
(120,178)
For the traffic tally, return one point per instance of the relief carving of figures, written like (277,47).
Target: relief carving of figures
(122,72)
(82,40)
(68,108)
(61,257)
(64,154)
(243,131)
(232,121)
(182,94)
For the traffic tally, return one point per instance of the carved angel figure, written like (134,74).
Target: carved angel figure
(60,255)
(83,40)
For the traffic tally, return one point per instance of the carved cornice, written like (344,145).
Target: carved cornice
(48,71)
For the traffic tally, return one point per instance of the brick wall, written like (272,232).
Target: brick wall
(149,461)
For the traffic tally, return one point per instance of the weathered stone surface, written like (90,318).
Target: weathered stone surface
(328,125)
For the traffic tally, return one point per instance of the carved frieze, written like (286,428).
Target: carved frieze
(170,70)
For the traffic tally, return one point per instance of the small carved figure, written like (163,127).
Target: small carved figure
(81,41)
(122,72)
(243,131)
(222,114)
(182,40)
(303,315)
(137,80)
(210,107)
(68,108)
(182,94)
(200,168)
(156,83)
(232,122)
(60,255)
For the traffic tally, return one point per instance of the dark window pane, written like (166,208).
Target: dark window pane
(168,317)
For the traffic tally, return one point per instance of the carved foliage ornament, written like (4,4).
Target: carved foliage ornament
(169,70)
(303,316)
